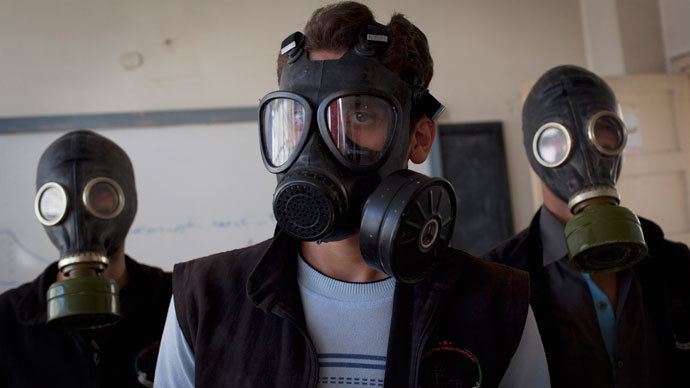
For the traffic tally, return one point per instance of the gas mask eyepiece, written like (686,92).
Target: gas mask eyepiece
(576,150)
(86,201)
(50,205)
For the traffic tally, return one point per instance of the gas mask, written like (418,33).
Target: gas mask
(86,200)
(337,137)
(574,137)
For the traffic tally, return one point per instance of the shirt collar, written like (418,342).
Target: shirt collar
(311,279)
(552,237)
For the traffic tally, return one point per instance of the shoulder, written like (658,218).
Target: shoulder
(485,279)
(26,303)
(10,300)
(671,258)
(222,276)
(513,251)
(225,266)
(488,294)
(153,276)
(659,246)
(516,251)
(149,284)
(200,284)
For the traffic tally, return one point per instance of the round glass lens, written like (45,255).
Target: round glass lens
(360,127)
(282,124)
(52,204)
(608,134)
(103,199)
(553,145)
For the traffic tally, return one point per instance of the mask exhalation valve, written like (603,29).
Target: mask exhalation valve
(307,205)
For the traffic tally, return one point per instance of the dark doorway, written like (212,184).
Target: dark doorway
(473,160)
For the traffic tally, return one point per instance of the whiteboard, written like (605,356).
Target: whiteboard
(201,189)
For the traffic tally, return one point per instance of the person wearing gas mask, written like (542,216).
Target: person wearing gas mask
(609,293)
(357,287)
(95,317)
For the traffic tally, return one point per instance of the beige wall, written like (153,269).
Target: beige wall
(603,41)
(642,39)
(675,24)
(66,56)
(623,36)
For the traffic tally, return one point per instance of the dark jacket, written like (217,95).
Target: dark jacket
(656,314)
(242,316)
(33,354)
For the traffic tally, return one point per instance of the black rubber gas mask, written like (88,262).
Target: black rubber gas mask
(86,200)
(337,137)
(574,137)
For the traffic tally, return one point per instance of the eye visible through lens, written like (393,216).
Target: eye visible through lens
(608,134)
(360,126)
(103,198)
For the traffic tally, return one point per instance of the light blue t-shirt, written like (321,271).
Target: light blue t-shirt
(606,318)
(349,325)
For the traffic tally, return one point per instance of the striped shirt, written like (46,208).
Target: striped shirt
(349,324)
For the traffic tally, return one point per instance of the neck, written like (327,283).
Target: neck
(607,282)
(116,270)
(556,206)
(341,260)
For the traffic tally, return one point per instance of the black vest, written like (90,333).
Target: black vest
(241,314)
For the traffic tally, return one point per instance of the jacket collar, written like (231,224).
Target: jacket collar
(552,234)
(274,277)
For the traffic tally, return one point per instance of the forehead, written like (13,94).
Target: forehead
(324,55)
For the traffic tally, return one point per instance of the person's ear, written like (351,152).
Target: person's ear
(421,139)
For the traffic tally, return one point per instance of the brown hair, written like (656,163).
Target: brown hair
(337,27)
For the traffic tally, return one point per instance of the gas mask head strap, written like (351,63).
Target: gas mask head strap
(373,41)
(293,46)
(428,105)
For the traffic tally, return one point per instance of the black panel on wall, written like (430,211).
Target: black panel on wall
(473,160)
